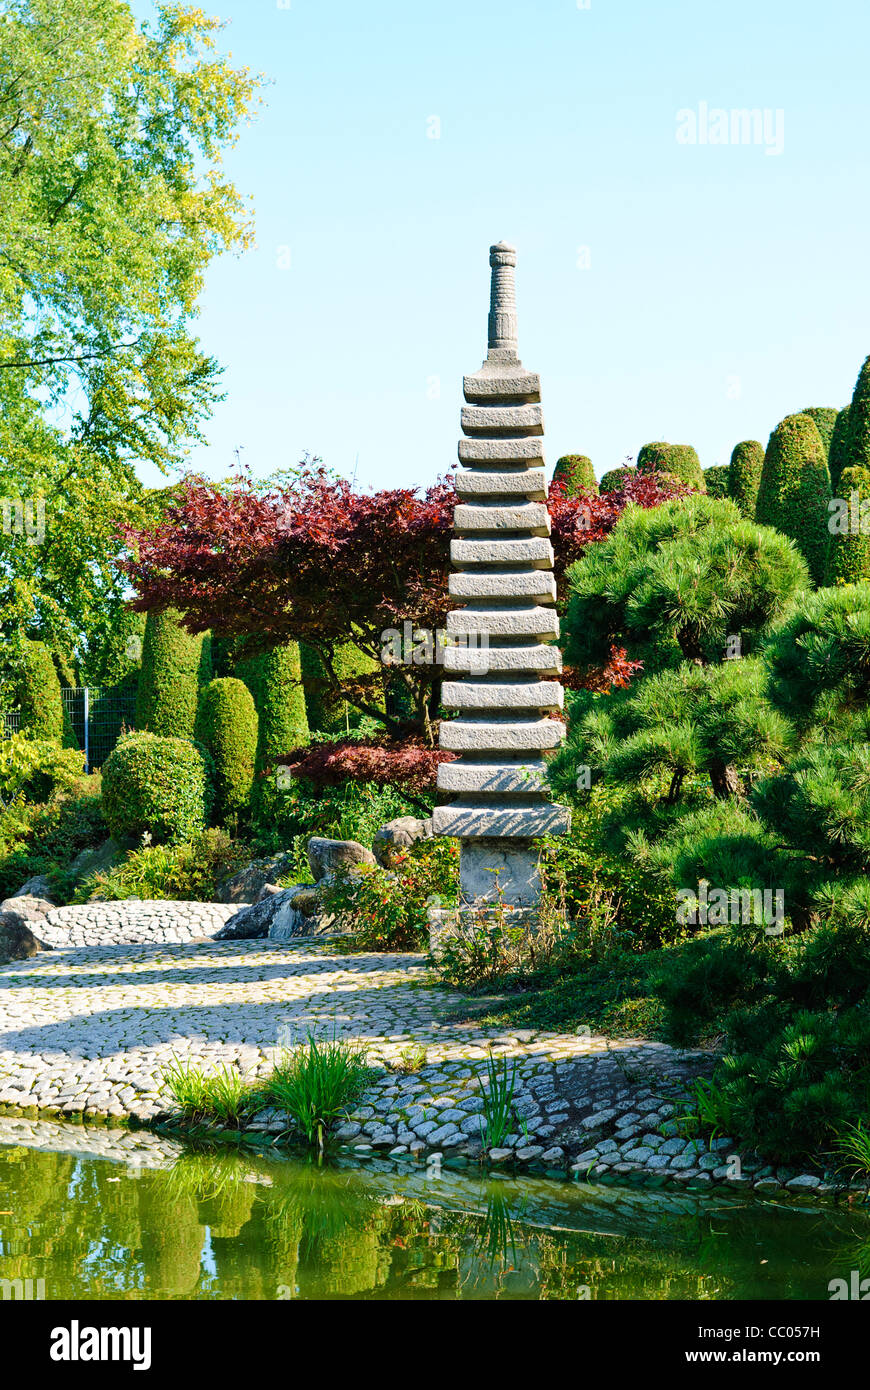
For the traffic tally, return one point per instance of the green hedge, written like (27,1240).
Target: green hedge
(849,554)
(744,475)
(162,786)
(795,489)
(578,474)
(174,666)
(838,457)
(38,696)
(717,480)
(226,725)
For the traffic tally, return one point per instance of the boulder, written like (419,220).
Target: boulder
(397,835)
(247,885)
(36,887)
(96,860)
(254,920)
(29,907)
(325,857)
(17,941)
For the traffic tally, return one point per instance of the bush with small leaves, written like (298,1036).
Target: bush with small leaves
(162,787)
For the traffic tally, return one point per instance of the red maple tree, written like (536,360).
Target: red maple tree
(314,560)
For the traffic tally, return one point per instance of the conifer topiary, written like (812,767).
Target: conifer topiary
(824,417)
(175,664)
(226,725)
(849,524)
(274,679)
(38,696)
(838,455)
(615,479)
(795,490)
(680,461)
(744,475)
(578,474)
(858,444)
(717,480)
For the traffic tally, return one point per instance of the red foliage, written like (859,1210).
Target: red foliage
(409,766)
(618,672)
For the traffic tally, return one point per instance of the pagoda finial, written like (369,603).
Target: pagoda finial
(503,303)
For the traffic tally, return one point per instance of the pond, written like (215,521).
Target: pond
(104,1215)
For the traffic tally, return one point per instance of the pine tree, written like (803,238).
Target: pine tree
(795,489)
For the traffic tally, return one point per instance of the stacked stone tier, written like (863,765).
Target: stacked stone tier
(501,665)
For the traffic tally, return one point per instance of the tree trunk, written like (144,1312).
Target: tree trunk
(724,779)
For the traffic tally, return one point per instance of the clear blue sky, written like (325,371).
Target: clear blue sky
(726,287)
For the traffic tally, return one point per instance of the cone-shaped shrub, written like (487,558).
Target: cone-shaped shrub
(824,417)
(717,481)
(38,695)
(744,475)
(859,421)
(679,460)
(162,786)
(226,725)
(849,524)
(838,457)
(795,489)
(578,474)
(275,680)
(174,665)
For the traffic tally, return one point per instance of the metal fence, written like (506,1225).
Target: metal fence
(98,718)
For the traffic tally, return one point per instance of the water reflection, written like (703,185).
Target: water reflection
(187,1225)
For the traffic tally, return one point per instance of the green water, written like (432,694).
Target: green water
(190,1225)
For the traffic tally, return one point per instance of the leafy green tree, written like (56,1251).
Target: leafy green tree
(226,725)
(744,475)
(795,489)
(174,666)
(578,474)
(112,202)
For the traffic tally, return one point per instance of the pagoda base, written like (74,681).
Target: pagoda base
(499,871)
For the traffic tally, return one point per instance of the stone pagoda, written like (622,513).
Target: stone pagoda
(501,663)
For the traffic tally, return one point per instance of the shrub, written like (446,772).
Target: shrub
(838,456)
(38,695)
(274,678)
(680,461)
(824,418)
(387,909)
(45,839)
(615,479)
(717,481)
(226,725)
(795,489)
(36,768)
(744,475)
(858,440)
(174,665)
(157,786)
(189,872)
(577,473)
(849,552)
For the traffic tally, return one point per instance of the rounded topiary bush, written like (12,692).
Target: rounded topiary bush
(679,460)
(162,786)
(717,480)
(838,455)
(744,475)
(824,417)
(174,665)
(226,725)
(849,554)
(795,489)
(577,473)
(614,479)
(38,695)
